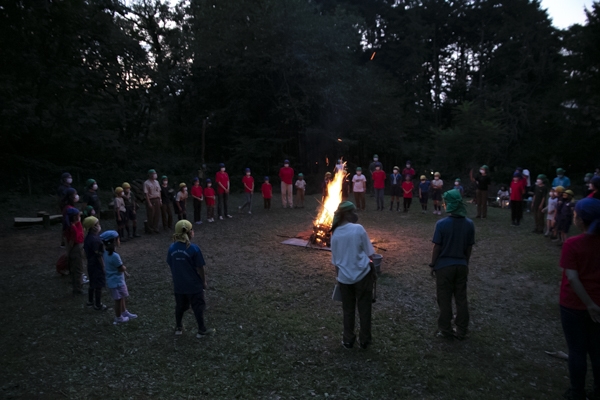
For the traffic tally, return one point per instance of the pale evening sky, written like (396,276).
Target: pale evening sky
(565,13)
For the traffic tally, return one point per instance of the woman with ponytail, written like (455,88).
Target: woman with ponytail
(580,298)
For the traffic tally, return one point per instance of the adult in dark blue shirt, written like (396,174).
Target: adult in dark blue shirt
(189,277)
(453,240)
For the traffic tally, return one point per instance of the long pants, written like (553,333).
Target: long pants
(223,199)
(267,203)
(407,202)
(153,214)
(482,197)
(540,219)
(197,210)
(75,259)
(423,200)
(583,338)
(286,195)
(452,281)
(516,211)
(300,198)
(95,297)
(247,201)
(183,303)
(166,210)
(379,198)
(210,212)
(357,295)
(359,199)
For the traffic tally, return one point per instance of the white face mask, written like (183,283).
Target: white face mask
(456,183)
(184,190)
(358,172)
(407,165)
(247,173)
(209,184)
(375,159)
(69,180)
(539,182)
(286,165)
(99,227)
(223,169)
(165,183)
(482,171)
(76,199)
(396,171)
(95,187)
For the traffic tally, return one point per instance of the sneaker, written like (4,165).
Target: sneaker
(102,307)
(179,331)
(85,279)
(120,320)
(444,335)
(198,222)
(129,315)
(229,216)
(207,332)
(249,212)
(221,217)
(363,345)
(347,345)
(89,304)
(211,220)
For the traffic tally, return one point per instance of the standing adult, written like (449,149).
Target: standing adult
(359,187)
(580,298)
(540,196)
(408,170)
(65,184)
(561,179)
(396,188)
(453,240)
(379,186)
(153,201)
(351,250)
(483,182)
(286,174)
(373,166)
(166,208)
(222,181)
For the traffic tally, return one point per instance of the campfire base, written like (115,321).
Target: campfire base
(304,243)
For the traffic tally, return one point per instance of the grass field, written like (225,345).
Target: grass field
(278,331)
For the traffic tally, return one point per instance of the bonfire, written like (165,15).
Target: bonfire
(322,225)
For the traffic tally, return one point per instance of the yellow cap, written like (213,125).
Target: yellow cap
(570,192)
(182,185)
(183,226)
(437,174)
(118,190)
(423,177)
(560,189)
(126,185)
(89,222)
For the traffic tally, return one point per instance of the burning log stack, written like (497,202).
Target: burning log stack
(321,235)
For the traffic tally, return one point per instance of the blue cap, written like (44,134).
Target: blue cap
(221,165)
(196,179)
(247,169)
(286,161)
(518,175)
(73,211)
(266,178)
(208,181)
(107,236)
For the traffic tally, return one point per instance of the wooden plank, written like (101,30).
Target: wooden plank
(19,221)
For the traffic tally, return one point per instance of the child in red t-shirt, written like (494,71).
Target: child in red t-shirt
(267,193)
(248,182)
(379,185)
(407,189)
(209,197)
(197,196)
(74,240)
(517,190)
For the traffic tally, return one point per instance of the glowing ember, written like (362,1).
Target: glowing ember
(322,223)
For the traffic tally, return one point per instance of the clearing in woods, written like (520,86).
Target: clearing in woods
(278,331)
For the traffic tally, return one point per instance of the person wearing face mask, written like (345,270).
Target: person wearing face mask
(131,206)
(459,187)
(198,198)
(540,196)
(351,250)
(408,170)
(359,187)
(74,242)
(483,182)
(65,183)
(94,249)
(153,200)
(180,200)
(561,179)
(286,174)
(372,167)
(166,208)
(222,181)
(209,196)
(90,196)
(396,181)
(248,182)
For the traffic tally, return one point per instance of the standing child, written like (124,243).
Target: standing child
(248,182)
(74,242)
(325,185)
(424,193)
(115,277)
(90,197)
(198,197)
(359,187)
(267,193)
(120,212)
(209,196)
(407,189)
(397,183)
(565,219)
(436,193)
(551,214)
(458,186)
(166,206)
(65,184)
(300,187)
(379,186)
(131,207)
(540,196)
(222,180)
(517,190)
(189,278)
(93,251)
(180,200)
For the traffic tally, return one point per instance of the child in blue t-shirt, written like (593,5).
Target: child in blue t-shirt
(115,277)
(459,187)
(424,185)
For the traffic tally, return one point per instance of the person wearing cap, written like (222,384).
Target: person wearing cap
(180,200)
(131,206)
(437,185)
(483,182)
(424,186)
(359,188)
(197,199)
(595,188)
(166,206)
(222,181)
(90,196)
(550,211)
(74,243)
(458,186)
(351,250)
(517,191)
(209,196)
(325,186)
(580,298)
(453,241)
(407,192)
(153,200)
(561,179)
(189,277)
(65,183)
(396,181)
(587,189)
(372,168)
(93,248)
(379,177)
(286,174)
(267,193)
(565,215)
(540,196)
(339,165)
(408,170)
(300,188)
(248,183)
(115,277)
(120,212)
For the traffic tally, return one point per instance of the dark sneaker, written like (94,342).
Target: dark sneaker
(207,332)
(460,336)
(89,304)
(363,345)
(347,345)
(444,335)
(101,307)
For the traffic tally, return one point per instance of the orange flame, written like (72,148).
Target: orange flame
(333,199)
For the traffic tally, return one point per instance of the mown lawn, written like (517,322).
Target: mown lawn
(278,331)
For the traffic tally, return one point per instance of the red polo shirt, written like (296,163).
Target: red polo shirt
(197,191)
(580,253)
(286,174)
(267,190)
(223,179)
(378,179)
(248,181)
(209,191)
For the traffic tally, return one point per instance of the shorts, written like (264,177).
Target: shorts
(396,191)
(564,224)
(436,195)
(131,216)
(123,221)
(119,292)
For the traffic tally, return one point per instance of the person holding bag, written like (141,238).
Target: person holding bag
(351,250)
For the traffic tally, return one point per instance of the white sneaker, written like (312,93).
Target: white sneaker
(211,220)
(198,222)
(129,315)
(120,320)
(221,217)
(85,279)
(249,212)
(229,216)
